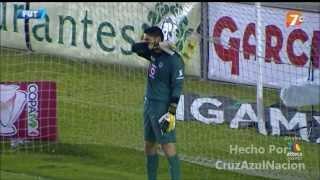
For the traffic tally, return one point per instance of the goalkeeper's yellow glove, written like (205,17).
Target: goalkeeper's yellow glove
(172,122)
(168,121)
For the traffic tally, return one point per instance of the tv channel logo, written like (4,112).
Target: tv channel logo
(294,147)
(294,151)
(31,14)
(294,18)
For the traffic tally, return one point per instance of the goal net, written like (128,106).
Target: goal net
(69,78)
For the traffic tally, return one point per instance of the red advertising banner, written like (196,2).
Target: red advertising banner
(289,47)
(28,110)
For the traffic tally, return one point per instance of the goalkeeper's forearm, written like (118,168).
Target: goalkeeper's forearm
(167,46)
(173,105)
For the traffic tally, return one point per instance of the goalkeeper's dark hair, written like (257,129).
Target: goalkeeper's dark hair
(154,31)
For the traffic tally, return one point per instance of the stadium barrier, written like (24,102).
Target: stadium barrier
(90,31)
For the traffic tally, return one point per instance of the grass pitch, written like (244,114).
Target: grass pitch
(100,126)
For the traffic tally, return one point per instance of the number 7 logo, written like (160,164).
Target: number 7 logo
(294,18)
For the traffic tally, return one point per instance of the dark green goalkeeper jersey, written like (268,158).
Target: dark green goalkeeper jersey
(165,74)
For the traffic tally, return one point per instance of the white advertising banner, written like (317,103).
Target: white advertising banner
(290,39)
(104,32)
(278,121)
(11,29)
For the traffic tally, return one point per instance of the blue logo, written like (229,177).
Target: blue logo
(152,71)
(31,14)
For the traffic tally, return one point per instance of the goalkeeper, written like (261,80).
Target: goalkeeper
(164,86)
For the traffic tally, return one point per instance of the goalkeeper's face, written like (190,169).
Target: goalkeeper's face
(153,42)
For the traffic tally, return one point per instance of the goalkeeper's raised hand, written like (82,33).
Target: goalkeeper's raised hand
(168,121)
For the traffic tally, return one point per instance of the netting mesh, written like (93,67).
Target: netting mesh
(101,103)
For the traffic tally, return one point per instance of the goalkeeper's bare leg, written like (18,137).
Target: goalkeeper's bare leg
(150,149)
(174,162)
(153,159)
